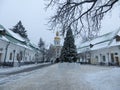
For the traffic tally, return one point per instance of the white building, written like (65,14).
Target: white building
(15,50)
(57,45)
(56,48)
(102,50)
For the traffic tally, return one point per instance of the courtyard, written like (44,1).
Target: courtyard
(65,76)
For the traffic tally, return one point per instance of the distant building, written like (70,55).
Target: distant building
(15,50)
(104,49)
(56,47)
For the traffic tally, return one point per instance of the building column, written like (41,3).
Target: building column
(107,58)
(6,51)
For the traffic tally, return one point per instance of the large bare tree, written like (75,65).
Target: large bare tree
(84,16)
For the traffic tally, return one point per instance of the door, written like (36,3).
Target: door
(112,57)
(117,60)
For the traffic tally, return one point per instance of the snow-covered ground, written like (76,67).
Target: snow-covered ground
(105,80)
(65,76)
(13,69)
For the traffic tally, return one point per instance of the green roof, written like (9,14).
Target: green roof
(1,27)
(12,39)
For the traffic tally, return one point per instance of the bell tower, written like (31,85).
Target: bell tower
(57,39)
(57,45)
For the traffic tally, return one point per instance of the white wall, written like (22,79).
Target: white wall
(15,49)
(2,49)
(104,52)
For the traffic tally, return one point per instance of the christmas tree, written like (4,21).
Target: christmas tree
(69,52)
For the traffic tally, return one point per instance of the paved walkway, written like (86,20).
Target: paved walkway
(55,77)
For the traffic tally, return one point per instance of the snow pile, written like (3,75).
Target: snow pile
(105,80)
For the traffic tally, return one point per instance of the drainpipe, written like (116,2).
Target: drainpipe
(6,50)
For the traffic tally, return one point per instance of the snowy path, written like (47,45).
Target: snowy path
(63,77)
(10,70)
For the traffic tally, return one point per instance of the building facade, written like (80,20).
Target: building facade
(104,50)
(15,50)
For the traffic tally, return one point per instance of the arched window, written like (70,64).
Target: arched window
(21,55)
(18,57)
(10,56)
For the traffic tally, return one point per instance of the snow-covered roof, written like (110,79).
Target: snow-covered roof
(1,36)
(24,46)
(114,43)
(103,41)
(33,45)
(16,36)
(100,45)
(4,38)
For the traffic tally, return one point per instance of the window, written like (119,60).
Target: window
(21,55)
(117,38)
(18,57)
(117,60)
(104,58)
(30,58)
(58,50)
(25,58)
(112,57)
(1,49)
(116,53)
(10,56)
(0,56)
(57,42)
(96,57)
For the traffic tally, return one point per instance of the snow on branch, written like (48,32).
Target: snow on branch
(84,16)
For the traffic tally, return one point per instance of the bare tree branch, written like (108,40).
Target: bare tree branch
(81,15)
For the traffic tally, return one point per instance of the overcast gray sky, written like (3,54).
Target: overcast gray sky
(34,17)
(31,13)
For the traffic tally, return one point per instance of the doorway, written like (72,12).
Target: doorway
(117,60)
(112,57)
